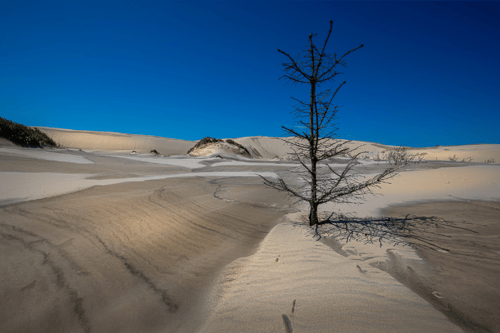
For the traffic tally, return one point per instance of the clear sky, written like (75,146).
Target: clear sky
(429,73)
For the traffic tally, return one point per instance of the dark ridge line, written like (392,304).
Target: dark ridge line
(74,298)
(60,279)
(41,218)
(20,230)
(215,192)
(209,229)
(165,299)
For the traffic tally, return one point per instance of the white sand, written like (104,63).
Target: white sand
(480,182)
(47,155)
(241,163)
(259,289)
(274,147)
(332,294)
(190,163)
(267,147)
(478,153)
(117,141)
(24,186)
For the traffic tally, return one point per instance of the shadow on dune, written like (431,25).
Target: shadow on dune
(457,240)
(131,257)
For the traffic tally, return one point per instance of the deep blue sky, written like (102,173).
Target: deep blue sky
(429,73)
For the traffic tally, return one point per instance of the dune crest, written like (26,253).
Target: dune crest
(117,141)
(258,146)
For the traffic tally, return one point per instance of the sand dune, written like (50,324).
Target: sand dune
(23,186)
(266,147)
(463,279)
(332,293)
(271,148)
(116,141)
(138,243)
(478,153)
(47,155)
(132,257)
(480,182)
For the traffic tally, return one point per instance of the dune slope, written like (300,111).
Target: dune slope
(117,141)
(131,257)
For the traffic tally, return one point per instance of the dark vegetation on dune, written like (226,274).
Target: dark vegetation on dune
(23,135)
(203,142)
(238,145)
(208,140)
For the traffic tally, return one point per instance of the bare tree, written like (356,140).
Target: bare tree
(318,144)
(401,156)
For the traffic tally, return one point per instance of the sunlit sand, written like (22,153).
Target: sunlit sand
(105,236)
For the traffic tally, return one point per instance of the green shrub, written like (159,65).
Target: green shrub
(23,135)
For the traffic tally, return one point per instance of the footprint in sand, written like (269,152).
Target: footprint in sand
(436,294)
(361,270)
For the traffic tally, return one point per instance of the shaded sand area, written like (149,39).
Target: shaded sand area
(130,257)
(462,275)
(142,243)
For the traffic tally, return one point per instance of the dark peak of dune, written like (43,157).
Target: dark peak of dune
(208,140)
(24,136)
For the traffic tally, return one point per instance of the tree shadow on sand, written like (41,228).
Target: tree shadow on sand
(431,235)
(419,231)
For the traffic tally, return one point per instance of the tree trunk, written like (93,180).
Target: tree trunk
(313,214)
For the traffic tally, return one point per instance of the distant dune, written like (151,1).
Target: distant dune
(117,141)
(259,146)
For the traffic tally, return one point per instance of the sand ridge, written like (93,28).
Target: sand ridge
(129,257)
(47,155)
(117,141)
(332,293)
(267,147)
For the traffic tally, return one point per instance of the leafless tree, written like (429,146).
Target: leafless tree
(317,143)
